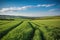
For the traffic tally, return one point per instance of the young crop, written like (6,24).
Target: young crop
(21,32)
(4,29)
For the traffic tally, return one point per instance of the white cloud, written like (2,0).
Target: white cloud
(40,14)
(25,7)
(54,10)
(51,10)
(14,8)
(45,5)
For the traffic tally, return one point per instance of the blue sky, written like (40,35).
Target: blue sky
(30,8)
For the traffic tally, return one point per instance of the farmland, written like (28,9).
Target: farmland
(30,29)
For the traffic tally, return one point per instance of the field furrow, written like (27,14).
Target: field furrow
(51,32)
(21,32)
(39,34)
(8,27)
(30,29)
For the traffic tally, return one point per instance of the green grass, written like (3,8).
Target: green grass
(30,29)
(50,28)
(4,29)
(22,32)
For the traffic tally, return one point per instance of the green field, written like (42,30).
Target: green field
(30,29)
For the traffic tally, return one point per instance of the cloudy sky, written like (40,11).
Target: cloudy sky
(32,8)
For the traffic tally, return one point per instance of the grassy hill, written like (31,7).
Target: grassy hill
(24,17)
(29,28)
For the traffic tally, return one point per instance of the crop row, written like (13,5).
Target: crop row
(51,32)
(38,35)
(30,30)
(4,29)
(21,32)
(4,22)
